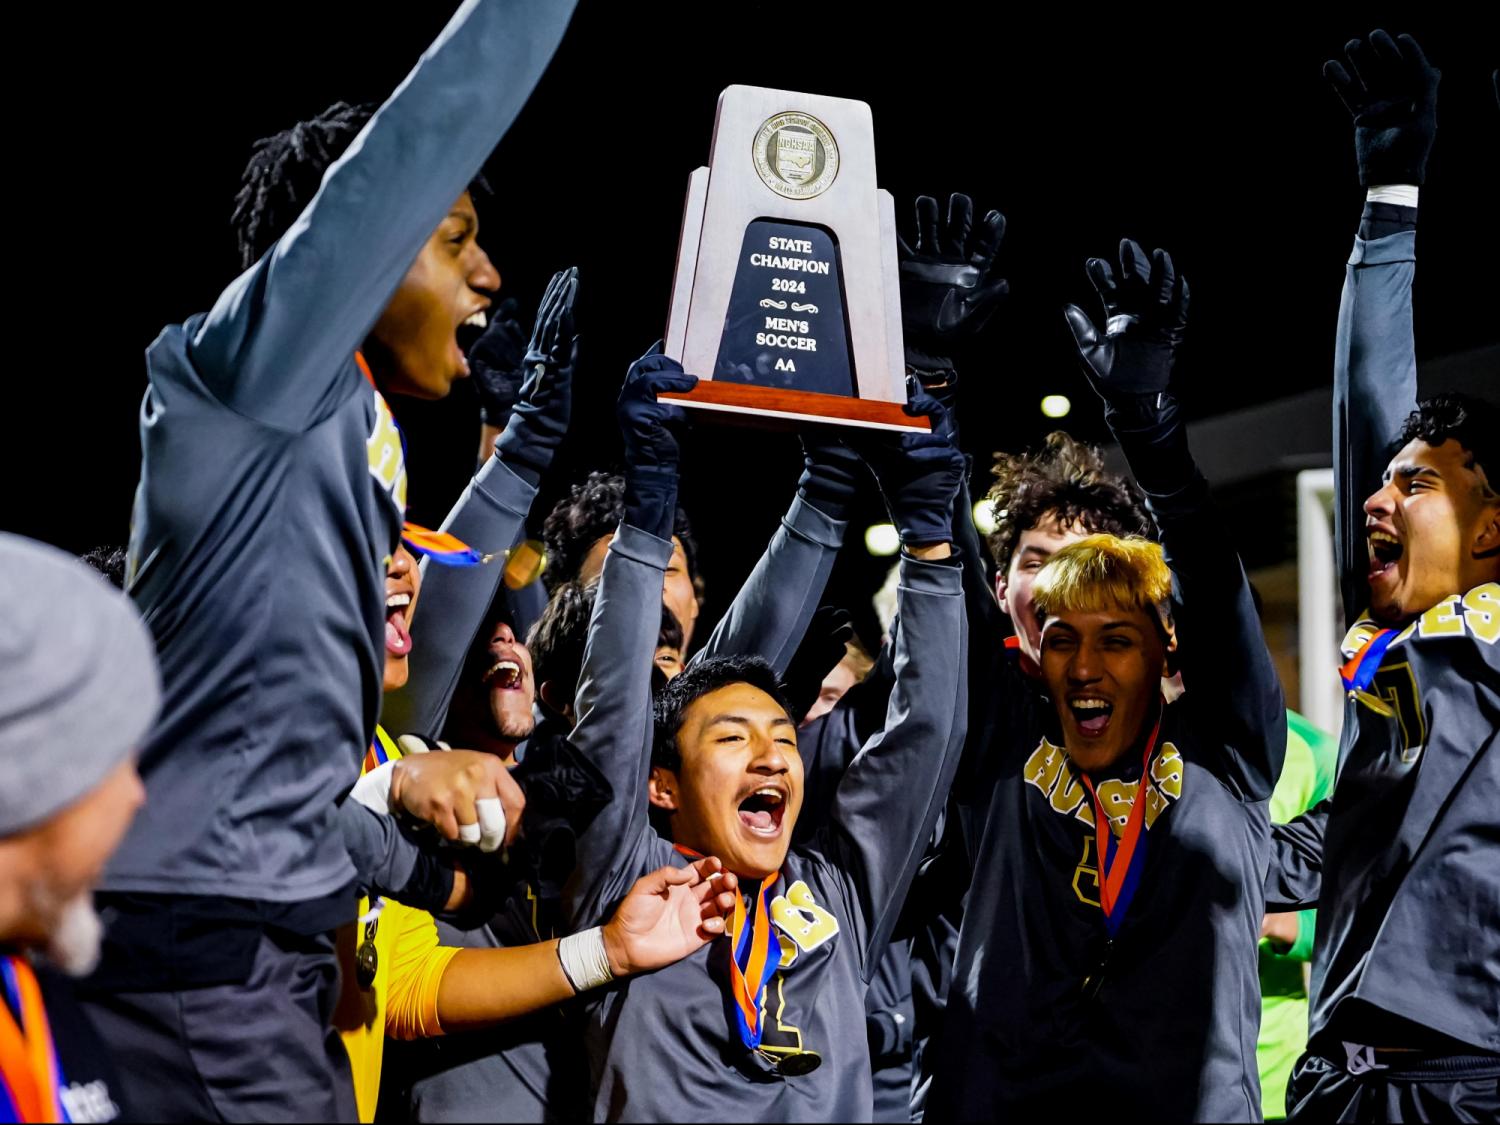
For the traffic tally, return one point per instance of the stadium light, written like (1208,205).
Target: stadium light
(984,517)
(1056,406)
(882,539)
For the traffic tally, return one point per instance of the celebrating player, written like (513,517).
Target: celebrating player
(1108,947)
(1400,861)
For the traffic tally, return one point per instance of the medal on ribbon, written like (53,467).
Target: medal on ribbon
(757,953)
(1120,865)
(30,1075)
(439,546)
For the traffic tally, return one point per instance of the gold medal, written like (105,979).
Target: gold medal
(793,1064)
(366,959)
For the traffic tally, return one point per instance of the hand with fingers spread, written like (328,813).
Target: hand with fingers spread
(1145,310)
(468,797)
(668,915)
(949,284)
(1391,89)
(495,363)
(645,421)
(539,419)
(919,474)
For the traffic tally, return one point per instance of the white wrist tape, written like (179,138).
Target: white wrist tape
(374,789)
(584,961)
(491,823)
(1403,195)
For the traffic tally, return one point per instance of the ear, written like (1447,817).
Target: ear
(1169,654)
(552,697)
(1000,588)
(1487,538)
(661,788)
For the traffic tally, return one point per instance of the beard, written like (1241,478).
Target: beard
(76,933)
(511,723)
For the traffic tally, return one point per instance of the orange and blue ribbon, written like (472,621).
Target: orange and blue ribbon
(439,546)
(1120,866)
(31,1078)
(757,953)
(381,751)
(1360,669)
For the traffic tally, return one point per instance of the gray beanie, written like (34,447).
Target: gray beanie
(78,681)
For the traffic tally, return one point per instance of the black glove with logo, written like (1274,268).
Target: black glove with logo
(919,474)
(949,287)
(1391,90)
(651,450)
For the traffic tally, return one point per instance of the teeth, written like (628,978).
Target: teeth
(477,320)
(769,794)
(1089,704)
(396,601)
(507,670)
(1382,537)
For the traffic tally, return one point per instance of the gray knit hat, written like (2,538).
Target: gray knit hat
(78,681)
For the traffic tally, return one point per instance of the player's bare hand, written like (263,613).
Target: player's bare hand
(468,797)
(669,914)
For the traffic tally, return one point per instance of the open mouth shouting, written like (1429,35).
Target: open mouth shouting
(464,336)
(762,810)
(504,675)
(1385,551)
(397,635)
(1092,714)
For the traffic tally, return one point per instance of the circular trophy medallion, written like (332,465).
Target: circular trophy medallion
(795,155)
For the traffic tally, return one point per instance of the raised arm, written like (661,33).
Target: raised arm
(489,517)
(1226,669)
(1294,879)
(889,800)
(614,730)
(277,345)
(1391,91)
(770,613)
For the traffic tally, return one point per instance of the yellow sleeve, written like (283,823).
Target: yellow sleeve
(417,965)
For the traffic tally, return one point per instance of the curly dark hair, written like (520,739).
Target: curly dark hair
(286,169)
(591,511)
(1065,478)
(697,681)
(108,561)
(1472,422)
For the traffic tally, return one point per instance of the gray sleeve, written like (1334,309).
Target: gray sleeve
(277,345)
(888,803)
(771,612)
(387,862)
(614,729)
(1294,880)
(1374,389)
(454,599)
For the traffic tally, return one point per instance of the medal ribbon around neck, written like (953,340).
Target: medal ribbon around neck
(1120,867)
(756,955)
(30,1076)
(1360,670)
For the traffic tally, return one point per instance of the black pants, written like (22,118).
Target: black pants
(1427,1088)
(261,1050)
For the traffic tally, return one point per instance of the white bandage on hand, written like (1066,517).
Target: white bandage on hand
(491,823)
(373,790)
(469,833)
(584,961)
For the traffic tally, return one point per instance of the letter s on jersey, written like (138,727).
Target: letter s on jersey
(802,919)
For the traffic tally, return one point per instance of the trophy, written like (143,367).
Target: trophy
(786,301)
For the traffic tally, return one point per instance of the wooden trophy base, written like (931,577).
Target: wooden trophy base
(789,409)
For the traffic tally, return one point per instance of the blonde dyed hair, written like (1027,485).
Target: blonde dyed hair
(1105,572)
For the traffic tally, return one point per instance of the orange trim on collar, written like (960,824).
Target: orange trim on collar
(364,367)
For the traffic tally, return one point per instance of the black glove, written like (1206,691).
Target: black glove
(919,475)
(539,420)
(831,473)
(495,363)
(1145,309)
(948,286)
(1391,90)
(651,451)
(823,646)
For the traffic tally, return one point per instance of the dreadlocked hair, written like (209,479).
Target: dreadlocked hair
(1066,479)
(285,171)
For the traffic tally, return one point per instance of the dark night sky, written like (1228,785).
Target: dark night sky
(1217,140)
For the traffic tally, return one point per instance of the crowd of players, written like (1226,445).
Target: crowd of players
(1056,849)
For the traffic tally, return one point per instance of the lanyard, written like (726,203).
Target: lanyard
(1362,666)
(30,1076)
(756,955)
(1120,867)
(381,751)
